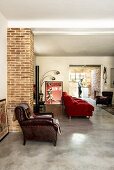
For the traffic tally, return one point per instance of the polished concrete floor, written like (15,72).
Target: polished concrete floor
(85,144)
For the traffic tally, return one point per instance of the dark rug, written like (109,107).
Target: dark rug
(109,109)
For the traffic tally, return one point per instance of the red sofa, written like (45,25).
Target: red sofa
(76,106)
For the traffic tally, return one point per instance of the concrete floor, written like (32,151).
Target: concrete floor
(85,144)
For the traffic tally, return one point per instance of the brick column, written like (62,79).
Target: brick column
(20,70)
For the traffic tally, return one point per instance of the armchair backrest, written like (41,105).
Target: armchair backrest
(22,112)
(107,94)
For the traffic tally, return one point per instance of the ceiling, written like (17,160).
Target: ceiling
(74,45)
(65,27)
(57,9)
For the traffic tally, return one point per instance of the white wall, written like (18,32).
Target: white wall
(62,64)
(3,57)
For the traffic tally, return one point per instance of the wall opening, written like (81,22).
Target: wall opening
(89,76)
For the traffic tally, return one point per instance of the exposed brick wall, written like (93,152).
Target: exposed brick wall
(20,70)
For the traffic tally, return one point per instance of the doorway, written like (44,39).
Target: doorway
(90,78)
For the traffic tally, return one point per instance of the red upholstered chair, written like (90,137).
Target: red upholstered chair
(40,127)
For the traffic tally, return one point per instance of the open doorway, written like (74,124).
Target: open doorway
(86,76)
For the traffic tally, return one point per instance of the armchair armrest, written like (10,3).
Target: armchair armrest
(43,114)
(97,97)
(37,121)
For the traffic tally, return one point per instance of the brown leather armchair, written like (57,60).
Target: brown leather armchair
(38,127)
(105,99)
